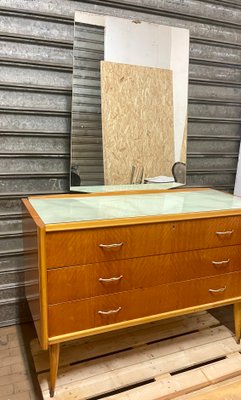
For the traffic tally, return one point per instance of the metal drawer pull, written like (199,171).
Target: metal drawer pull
(222,289)
(111,246)
(220,263)
(109,312)
(114,279)
(225,233)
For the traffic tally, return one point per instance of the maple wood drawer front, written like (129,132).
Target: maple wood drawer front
(110,309)
(76,282)
(101,244)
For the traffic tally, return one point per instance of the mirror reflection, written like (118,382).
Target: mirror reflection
(129,103)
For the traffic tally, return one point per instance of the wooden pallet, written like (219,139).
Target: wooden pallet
(228,390)
(161,360)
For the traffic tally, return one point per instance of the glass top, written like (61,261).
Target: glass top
(73,209)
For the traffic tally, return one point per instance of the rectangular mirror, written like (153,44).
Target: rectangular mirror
(129,103)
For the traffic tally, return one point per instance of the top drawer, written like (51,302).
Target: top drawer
(102,244)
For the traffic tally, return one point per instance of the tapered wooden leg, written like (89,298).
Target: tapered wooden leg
(237,321)
(54,364)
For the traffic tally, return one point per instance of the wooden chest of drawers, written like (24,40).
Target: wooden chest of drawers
(102,268)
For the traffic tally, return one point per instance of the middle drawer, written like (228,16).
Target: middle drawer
(78,282)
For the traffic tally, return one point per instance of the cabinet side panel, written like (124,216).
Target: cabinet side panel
(34,290)
(31,269)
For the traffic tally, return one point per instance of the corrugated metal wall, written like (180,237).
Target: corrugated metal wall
(86,131)
(35,81)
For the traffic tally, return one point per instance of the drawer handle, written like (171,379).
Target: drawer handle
(222,289)
(109,312)
(111,246)
(220,263)
(225,233)
(114,279)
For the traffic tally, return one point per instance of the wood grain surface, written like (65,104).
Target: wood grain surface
(227,390)
(82,247)
(139,303)
(79,282)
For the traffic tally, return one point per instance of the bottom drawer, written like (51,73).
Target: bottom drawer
(110,309)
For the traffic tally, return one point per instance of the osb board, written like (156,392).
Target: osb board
(137,121)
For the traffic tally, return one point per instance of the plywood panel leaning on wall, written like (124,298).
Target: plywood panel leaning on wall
(137,121)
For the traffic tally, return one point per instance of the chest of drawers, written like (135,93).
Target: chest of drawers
(109,261)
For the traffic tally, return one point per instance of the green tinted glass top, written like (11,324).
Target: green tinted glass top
(59,210)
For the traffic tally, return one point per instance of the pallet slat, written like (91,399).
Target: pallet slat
(228,390)
(185,382)
(95,346)
(79,377)
(157,361)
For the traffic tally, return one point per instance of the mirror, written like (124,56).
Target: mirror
(129,103)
